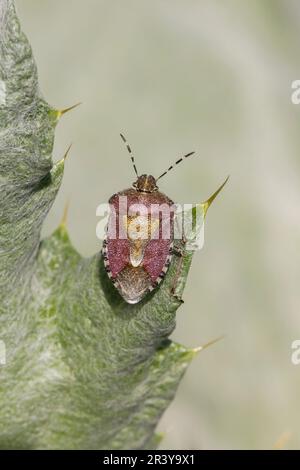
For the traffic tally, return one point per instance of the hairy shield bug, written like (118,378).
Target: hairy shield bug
(138,246)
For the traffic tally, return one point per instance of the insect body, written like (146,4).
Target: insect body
(138,247)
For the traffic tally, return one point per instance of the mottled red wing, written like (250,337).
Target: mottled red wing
(118,255)
(134,281)
(155,257)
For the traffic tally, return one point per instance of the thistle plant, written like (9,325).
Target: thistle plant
(84,370)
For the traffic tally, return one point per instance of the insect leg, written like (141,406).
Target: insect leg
(178,251)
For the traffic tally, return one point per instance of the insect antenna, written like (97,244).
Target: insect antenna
(176,163)
(130,153)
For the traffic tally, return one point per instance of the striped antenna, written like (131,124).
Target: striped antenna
(176,163)
(130,153)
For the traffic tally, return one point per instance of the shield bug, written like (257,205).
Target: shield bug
(138,247)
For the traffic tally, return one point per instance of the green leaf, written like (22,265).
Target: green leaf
(84,370)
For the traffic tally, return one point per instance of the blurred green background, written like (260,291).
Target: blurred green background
(212,76)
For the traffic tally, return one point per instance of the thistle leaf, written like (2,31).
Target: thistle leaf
(84,370)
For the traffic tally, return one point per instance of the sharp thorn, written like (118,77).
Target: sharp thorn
(67,152)
(60,113)
(282,440)
(205,205)
(206,345)
(64,219)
